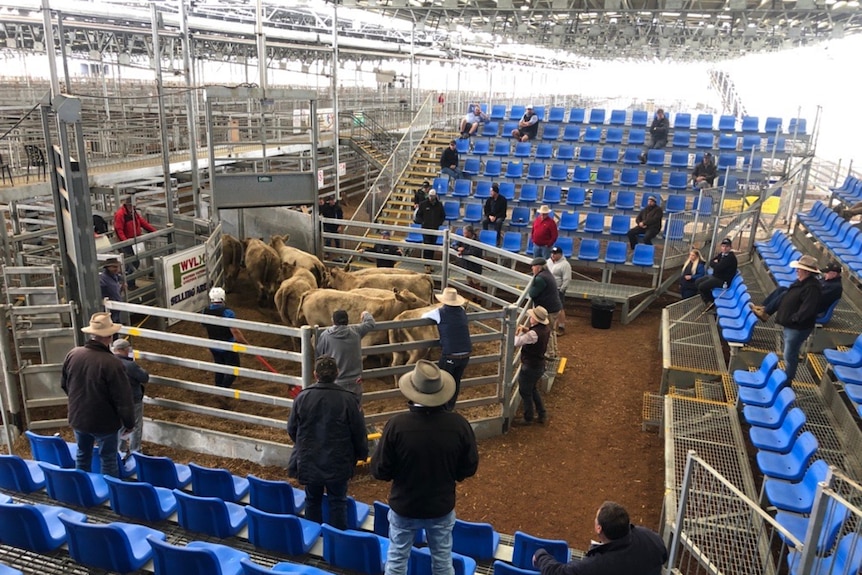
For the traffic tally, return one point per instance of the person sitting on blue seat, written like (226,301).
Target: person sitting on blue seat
(528,127)
(693,269)
(470,123)
(830,292)
(449,162)
(648,223)
(704,173)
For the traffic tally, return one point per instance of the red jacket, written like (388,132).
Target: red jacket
(544,231)
(128,225)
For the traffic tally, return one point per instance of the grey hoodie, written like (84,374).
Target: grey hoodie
(343,343)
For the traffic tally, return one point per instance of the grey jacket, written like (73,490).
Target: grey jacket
(343,343)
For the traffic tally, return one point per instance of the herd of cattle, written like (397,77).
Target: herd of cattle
(305,292)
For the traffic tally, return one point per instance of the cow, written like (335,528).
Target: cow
(382,271)
(290,293)
(420,284)
(231,260)
(412,334)
(264,268)
(296,257)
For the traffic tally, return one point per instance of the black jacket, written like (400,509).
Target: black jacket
(800,305)
(659,128)
(137,375)
(830,291)
(430,215)
(724,268)
(708,171)
(496,207)
(448,158)
(641,552)
(424,453)
(651,217)
(544,291)
(100,398)
(328,433)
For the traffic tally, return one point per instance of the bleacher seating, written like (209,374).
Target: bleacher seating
(196,557)
(140,500)
(210,514)
(211,482)
(35,527)
(281,532)
(21,475)
(118,547)
(75,487)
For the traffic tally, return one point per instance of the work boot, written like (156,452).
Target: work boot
(760,312)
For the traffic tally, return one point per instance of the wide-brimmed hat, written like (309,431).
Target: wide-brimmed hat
(543,210)
(427,384)
(450,297)
(110,262)
(807,263)
(539,314)
(101,325)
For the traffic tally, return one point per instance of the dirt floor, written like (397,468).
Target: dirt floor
(547,480)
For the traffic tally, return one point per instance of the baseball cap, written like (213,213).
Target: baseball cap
(495,187)
(556,250)
(432,193)
(832,267)
(726,242)
(651,198)
(385,233)
(529,106)
(426,184)
(538,262)
(120,344)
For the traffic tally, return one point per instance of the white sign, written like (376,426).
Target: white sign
(186,280)
(342,168)
(320,178)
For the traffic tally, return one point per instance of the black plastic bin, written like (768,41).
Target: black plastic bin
(603,313)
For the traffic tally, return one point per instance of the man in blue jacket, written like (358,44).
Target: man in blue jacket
(329,437)
(424,452)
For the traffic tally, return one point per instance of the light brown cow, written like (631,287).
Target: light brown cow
(317,305)
(298,258)
(264,268)
(412,334)
(231,259)
(290,293)
(382,271)
(420,284)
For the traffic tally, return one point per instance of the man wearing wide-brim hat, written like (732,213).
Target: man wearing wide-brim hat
(545,293)
(798,311)
(831,291)
(533,338)
(100,397)
(424,452)
(454,330)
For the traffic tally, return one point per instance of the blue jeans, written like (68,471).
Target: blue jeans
(542,251)
(453,173)
(773,300)
(108,445)
(528,378)
(455,367)
(402,533)
(336,492)
(793,340)
(225,358)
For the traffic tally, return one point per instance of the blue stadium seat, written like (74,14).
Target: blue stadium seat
(536,171)
(502,568)
(778,146)
(765,395)
(727,123)
(6,570)
(481,147)
(620,224)
(525,545)
(493,169)
(705,209)
(679,159)
(779,440)
(476,540)
(704,122)
(488,237)
(682,121)
(637,137)
(576,196)
(566,153)
(210,515)
(847,558)
(761,376)
(354,550)
(569,221)
(593,135)
(704,141)
(75,487)
(452,210)
(514,170)
(472,166)
(529,194)
(552,195)
(118,547)
(610,155)
(751,142)
(727,142)
(280,532)
(544,151)
(750,124)
(517,112)
(559,173)
(629,178)
(618,118)
(498,112)
(675,204)
(655,158)
(523,150)
(472,214)
(462,145)
(507,190)
(625,200)
(576,115)
(582,175)
(501,149)
(414,236)
(681,139)
(556,114)
(441,185)
(773,416)
(644,255)
(616,252)
(600,198)
(640,118)
(772,126)
(789,466)
(249,567)
(21,475)
(796,497)
(677,181)
(797,126)
(34,527)
(587,154)
(512,242)
(140,500)
(520,217)
(632,156)
(588,251)
(653,179)
(567,244)
(605,176)
(835,516)
(726,161)
(595,223)
(540,112)
(850,358)
(753,165)
(463,188)
(420,562)
(196,557)
(491,129)
(212,482)
(572,133)
(614,136)
(551,133)
(597,116)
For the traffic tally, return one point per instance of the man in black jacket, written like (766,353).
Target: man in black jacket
(329,437)
(100,398)
(424,452)
(621,549)
(545,292)
(723,269)
(648,223)
(704,172)
(430,215)
(495,212)
(798,311)
(449,162)
(658,131)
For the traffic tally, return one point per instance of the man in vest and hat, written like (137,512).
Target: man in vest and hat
(100,397)
(424,452)
(217,308)
(454,330)
(533,341)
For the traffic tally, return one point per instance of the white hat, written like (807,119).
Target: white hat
(450,297)
(544,210)
(427,384)
(808,263)
(540,314)
(217,294)
(101,325)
